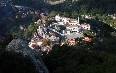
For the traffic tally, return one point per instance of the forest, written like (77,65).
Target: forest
(82,59)
(15,63)
(88,6)
(97,56)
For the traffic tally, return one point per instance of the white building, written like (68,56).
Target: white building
(35,42)
(72,25)
(72,29)
(85,26)
(57,18)
(74,22)
(65,20)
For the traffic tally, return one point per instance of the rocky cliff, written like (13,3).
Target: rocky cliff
(19,45)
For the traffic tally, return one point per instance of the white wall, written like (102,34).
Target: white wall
(86,26)
(57,18)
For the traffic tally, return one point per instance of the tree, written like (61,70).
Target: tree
(89,33)
(31,28)
(15,63)
(66,59)
(52,14)
(5,41)
(46,42)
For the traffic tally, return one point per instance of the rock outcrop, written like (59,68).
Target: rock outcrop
(19,45)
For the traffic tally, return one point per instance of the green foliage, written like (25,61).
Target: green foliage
(62,27)
(108,44)
(14,31)
(52,14)
(31,3)
(15,63)
(89,33)
(53,0)
(107,19)
(34,18)
(5,41)
(83,9)
(65,59)
(31,28)
(88,6)
(46,42)
(75,14)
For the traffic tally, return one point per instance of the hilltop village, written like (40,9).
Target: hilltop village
(57,36)
(62,31)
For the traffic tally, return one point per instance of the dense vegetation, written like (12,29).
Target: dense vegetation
(98,9)
(95,57)
(88,6)
(5,41)
(11,62)
(82,59)
(97,6)
(53,0)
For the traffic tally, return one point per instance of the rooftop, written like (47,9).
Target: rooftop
(73,35)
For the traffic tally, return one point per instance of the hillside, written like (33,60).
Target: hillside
(19,20)
(68,59)
(102,6)
(11,62)
(89,6)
